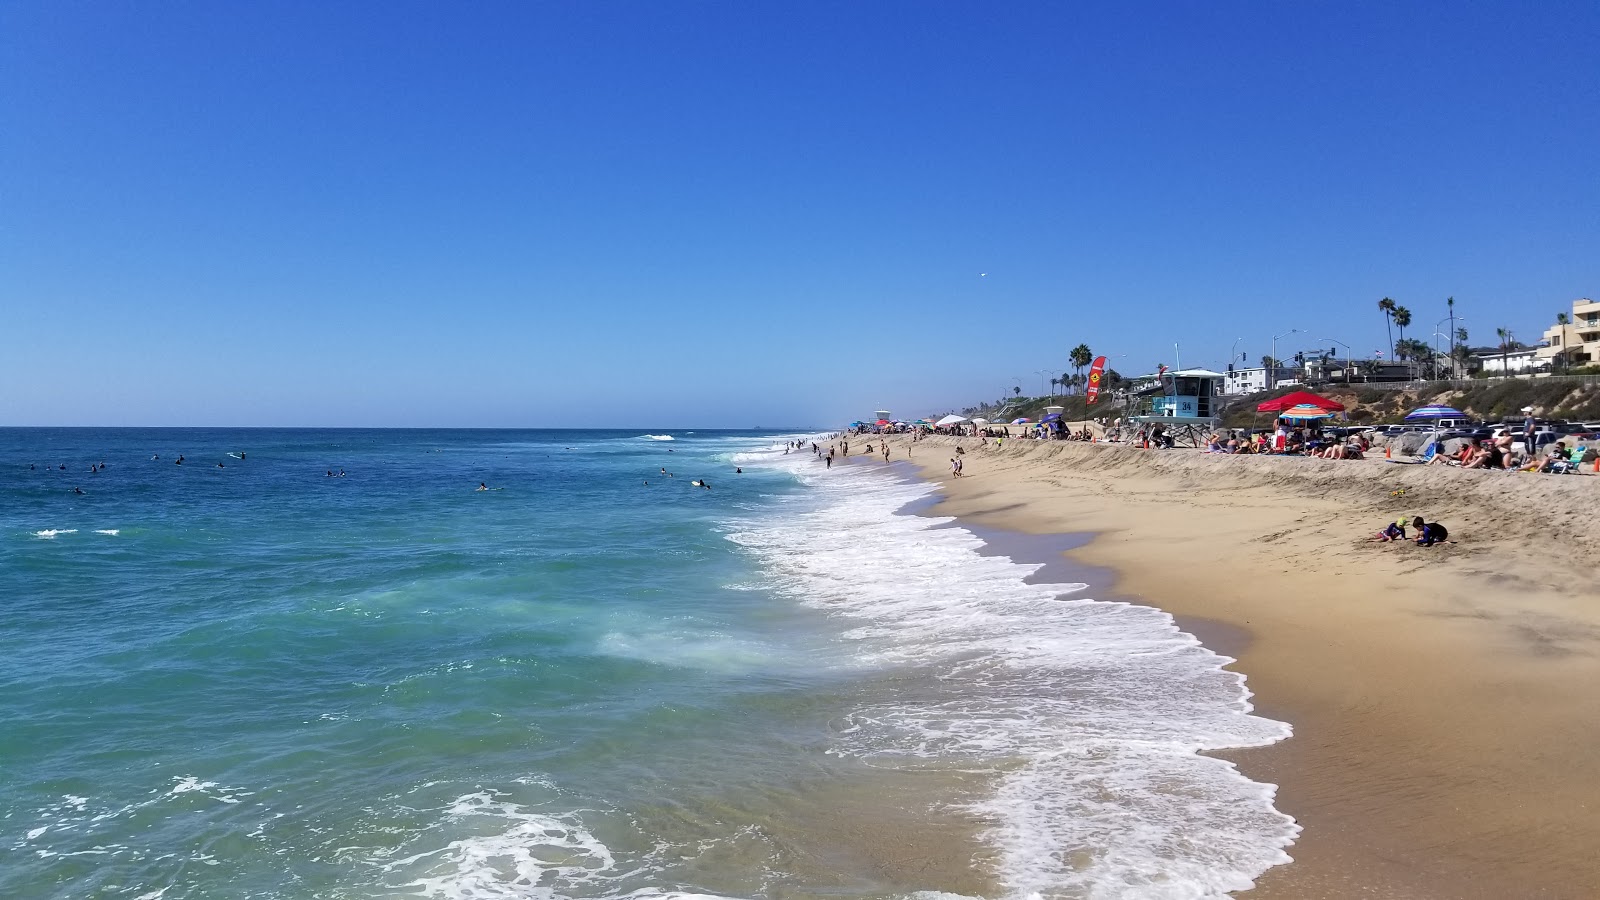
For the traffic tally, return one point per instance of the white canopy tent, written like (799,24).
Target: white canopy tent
(951,420)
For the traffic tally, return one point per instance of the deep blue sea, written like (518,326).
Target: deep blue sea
(323,664)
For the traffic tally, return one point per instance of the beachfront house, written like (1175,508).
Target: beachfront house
(1495,362)
(1574,340)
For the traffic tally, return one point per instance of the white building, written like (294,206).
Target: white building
(1254,380)
(1495,362)
(1576,341)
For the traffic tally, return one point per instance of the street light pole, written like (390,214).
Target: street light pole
(1346,356)
(1272,376)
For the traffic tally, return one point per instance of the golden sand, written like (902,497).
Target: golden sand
(1445,701)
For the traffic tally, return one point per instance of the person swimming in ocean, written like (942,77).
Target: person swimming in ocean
(483,486)
(77,490)
(702,483)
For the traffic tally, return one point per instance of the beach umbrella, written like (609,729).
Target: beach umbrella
(1020,421)
(1434,411)
(883,421)
(1051,418)
(980,422)
(1300,398)
(1306,411)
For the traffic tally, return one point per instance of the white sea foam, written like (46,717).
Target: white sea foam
(658,437)
(501,848)
(111,531)
(189,784)
(1090,714)
(49,534)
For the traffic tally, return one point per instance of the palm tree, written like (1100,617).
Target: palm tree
(1081,356)
(1562,321)
(1505,349)
(1402,318)
(1053,383)
(1386,306)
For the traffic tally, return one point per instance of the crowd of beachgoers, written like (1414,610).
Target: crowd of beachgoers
(1503,449)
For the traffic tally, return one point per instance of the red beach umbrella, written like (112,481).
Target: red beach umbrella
(1300,398)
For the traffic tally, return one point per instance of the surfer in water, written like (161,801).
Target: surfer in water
(701,483)
(483,486)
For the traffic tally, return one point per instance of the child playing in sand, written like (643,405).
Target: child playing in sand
(1429,533)
(1396,530)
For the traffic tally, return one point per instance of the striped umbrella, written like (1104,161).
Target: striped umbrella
(1434,411)
(1305,411)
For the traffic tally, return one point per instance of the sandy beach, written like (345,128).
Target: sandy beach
(1445,701)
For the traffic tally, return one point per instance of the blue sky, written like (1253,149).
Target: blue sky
(731,214)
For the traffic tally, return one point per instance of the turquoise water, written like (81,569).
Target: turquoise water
(257,680)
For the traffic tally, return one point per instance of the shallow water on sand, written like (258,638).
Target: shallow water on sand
(261,680)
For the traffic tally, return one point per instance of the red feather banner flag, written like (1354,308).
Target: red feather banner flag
(1096,372)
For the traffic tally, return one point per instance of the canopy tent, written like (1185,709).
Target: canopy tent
(1434,411)
(1300,398)
(1305,411)
(951,420)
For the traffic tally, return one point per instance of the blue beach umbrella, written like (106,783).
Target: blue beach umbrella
(1434,411)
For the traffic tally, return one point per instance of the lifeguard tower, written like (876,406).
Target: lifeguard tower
(1185,402)
(882,415)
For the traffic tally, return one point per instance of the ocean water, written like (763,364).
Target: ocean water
(592,680)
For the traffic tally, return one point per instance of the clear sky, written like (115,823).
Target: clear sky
(736,214)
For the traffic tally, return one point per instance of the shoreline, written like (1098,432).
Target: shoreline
(1444,731)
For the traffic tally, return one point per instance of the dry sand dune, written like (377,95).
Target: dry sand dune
(1446,700)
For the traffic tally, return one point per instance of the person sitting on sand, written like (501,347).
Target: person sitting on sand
(1486,457)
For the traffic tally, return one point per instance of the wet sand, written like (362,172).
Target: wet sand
(1446,701)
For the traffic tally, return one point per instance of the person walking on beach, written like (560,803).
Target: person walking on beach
(829,460)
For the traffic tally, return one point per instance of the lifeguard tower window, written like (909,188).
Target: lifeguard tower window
(1198,388)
